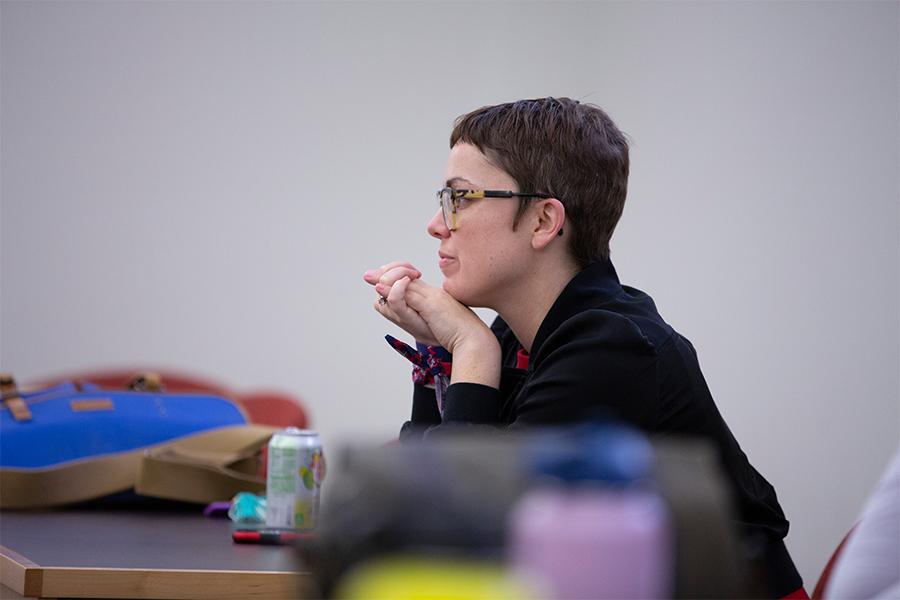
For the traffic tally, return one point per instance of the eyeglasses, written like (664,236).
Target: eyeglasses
(451,201)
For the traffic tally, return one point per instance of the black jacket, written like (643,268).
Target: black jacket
(604,346)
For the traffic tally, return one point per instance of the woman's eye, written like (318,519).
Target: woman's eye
(462,202)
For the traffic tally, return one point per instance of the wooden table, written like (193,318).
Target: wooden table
(115,552)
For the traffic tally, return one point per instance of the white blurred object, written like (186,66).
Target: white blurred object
(869,567)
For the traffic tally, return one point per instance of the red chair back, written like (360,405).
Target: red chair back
(819,591)
(277,409)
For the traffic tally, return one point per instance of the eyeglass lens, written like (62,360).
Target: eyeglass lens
(447,208)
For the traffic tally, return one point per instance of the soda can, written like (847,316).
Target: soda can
(295,470)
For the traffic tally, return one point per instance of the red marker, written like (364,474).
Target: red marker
(272,537)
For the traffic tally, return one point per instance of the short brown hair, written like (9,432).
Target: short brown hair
(564,148)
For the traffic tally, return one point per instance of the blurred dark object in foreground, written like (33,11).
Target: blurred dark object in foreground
(449,499)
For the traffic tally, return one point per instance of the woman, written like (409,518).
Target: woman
(533,191)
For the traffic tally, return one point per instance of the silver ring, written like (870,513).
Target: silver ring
(382,300)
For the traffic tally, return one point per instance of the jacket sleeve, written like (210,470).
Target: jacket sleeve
(473,403)
(424,414)
(596,363)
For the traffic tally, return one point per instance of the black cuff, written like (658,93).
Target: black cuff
(410,432)
(471,403)
(424,408)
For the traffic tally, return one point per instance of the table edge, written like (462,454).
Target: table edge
(20,573)
(28,578)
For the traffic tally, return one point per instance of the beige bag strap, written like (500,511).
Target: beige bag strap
(11,398)
(205,468)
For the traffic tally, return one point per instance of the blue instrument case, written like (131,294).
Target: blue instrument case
(75,442)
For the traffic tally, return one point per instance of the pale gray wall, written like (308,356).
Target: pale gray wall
(202,185)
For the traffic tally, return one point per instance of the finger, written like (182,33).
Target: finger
(393,306)
(415,300)
(396,300)
(395,310)
(373,275)
(384,310)
(419,286)
(396,296)
(391,276)
(416,292)
(383,287)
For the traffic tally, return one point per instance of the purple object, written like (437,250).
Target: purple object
(593,543)
(217,509)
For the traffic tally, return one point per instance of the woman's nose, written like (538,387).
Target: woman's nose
(436,226)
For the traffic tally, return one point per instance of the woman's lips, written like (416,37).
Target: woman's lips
(445,260)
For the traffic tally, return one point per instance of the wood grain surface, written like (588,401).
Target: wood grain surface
(111,552)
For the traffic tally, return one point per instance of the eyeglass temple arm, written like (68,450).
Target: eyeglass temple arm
(503,194)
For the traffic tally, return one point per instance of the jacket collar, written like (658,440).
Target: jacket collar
(590,287)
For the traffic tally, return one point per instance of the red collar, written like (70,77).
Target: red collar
(521,359)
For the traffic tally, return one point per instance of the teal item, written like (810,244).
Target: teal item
(248,509)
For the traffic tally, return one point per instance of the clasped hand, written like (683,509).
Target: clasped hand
(428,313)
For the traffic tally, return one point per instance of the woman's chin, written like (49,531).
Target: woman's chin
(459,293)
(452,287)
(449,286)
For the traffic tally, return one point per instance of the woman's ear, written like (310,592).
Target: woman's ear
(551,216)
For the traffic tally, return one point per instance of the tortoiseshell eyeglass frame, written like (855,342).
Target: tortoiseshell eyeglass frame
(449,199)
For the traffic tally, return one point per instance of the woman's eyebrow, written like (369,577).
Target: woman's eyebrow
(455,181)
